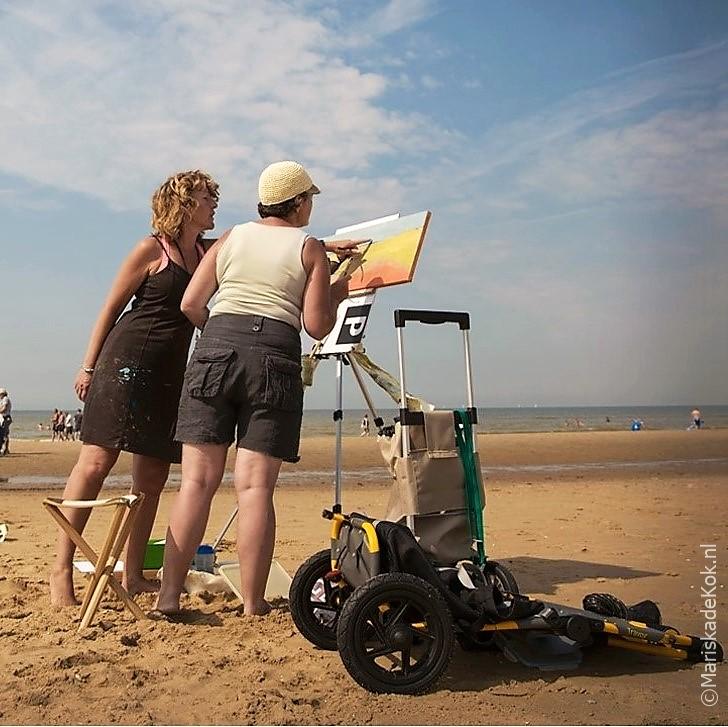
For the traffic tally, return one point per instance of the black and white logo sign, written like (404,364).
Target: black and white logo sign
(351,322)
(355,321)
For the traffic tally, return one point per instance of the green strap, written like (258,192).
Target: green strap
(464,439)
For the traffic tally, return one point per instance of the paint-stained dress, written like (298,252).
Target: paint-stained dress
(135,389)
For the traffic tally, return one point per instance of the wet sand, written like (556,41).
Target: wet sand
(570,513)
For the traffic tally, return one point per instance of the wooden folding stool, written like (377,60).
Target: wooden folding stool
(125,510)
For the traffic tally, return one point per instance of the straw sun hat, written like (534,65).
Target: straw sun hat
(282,181)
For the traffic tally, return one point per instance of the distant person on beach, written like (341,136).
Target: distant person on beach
(243,382)
(697,418)
(637,425)
(131,374)
(6,420)
(61,425)
(77,421)
(69,426)
(364,426)
(58,423)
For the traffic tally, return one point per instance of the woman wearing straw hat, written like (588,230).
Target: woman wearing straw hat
(243,382)
(131,375)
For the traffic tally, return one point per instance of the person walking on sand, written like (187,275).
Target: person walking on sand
(77,421)
(6,420)
(69,426)
(697,418)
(131,374)
(59,427)
(243,382)
(364,426)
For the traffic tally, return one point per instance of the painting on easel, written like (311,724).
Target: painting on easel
(391,256)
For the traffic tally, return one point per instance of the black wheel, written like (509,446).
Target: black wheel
(315,603)
(505,582)
(395,634)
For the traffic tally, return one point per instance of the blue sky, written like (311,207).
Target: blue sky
(573,155)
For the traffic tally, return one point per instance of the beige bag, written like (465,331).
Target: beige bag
(429,484)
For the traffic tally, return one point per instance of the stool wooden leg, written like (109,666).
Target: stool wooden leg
(107,569)
(101,562)
(121,592)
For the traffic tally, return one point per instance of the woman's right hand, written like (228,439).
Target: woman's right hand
(344,248)
(82,383)
(143,261)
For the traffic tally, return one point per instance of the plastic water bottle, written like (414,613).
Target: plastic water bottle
(204,559)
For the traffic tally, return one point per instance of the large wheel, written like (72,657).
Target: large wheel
(505,582)
(395,634)
(315,603)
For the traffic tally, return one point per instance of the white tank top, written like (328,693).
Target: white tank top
(260,272)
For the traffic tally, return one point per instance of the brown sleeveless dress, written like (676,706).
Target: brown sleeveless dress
(135,389)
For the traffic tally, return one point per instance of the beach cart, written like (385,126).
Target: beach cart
(394,595)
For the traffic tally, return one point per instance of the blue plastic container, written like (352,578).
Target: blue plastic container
(204,559)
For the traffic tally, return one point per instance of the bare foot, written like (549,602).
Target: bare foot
(166,605)
(177,616)
(140,585)
(61,583)
(260,609)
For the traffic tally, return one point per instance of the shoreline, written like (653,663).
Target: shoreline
(481,432)
(504,454)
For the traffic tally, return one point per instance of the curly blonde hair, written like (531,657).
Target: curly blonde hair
(173,205)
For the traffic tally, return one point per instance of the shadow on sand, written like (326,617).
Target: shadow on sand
(477,671)
(543,575)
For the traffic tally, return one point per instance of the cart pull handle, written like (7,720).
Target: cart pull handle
(432,317)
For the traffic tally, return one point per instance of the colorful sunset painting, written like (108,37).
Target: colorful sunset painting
(391,257)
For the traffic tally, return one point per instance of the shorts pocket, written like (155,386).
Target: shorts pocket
(207,370)
(283,385)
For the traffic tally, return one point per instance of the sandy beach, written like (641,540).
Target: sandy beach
(571,513)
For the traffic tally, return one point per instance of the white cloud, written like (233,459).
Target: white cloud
(468,258)
(110,100)
(398,14)
(11,197)
(430,82)
(676,156)
(657,132)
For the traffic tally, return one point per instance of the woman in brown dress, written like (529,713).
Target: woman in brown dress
(131,375)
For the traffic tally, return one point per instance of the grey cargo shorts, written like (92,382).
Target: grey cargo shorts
(243,384)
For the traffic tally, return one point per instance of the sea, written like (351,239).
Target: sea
(319,422)
(33,424)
